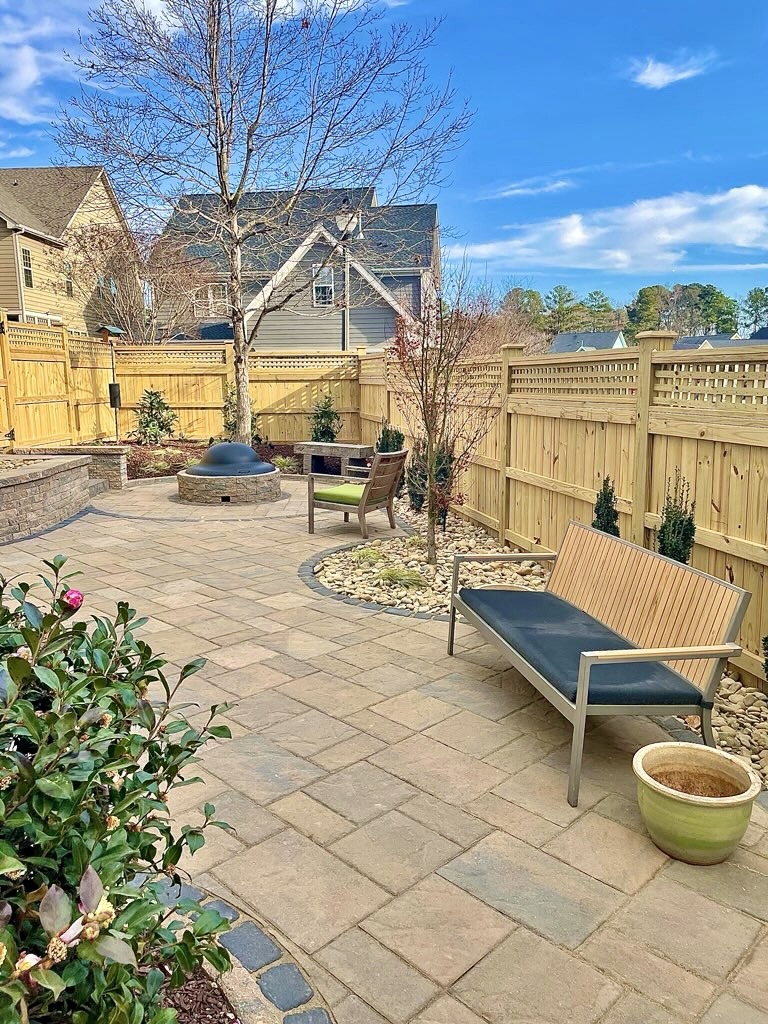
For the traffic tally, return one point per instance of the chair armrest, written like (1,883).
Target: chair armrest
(548,556)
(337,479)
(590,658)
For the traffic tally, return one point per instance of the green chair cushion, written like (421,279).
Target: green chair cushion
(342,494)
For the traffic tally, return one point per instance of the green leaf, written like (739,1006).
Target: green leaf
(165,1016)
(155,980)
(47,676)
(195,841)
(32,614)
(8,863)
(190,668)
(57,787)
(207,922)
(112,948)
(49,980)
(55,911)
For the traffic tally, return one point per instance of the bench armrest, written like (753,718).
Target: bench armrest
(590,658)
(547,556)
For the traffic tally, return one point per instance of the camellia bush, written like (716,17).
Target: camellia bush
(91,745)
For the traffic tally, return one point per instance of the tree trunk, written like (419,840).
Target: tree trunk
(240,342)
(431,505)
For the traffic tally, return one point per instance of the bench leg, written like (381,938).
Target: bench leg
(706,727)
(311,516)
(451,628)
(574,772)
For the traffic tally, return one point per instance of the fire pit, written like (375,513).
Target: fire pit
(230,473)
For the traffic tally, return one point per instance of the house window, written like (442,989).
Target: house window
(26,263)
(101,292)
(212,300)
(69,284)
(322,286)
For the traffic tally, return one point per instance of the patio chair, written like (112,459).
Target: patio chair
(378,491)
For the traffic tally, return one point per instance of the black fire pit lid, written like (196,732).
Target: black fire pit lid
(230,458)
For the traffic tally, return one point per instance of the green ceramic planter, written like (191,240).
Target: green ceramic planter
(694,829)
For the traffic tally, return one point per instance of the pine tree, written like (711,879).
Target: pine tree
(606,516)
(678,525)
(326,422)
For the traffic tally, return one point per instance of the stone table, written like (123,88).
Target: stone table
(353,456)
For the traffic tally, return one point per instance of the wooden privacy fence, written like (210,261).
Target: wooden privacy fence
(562,424)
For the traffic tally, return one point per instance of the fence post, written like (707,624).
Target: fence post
(72,417)
(648,342)
(6,367)
(504,440)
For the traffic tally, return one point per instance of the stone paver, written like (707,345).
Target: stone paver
(399,816)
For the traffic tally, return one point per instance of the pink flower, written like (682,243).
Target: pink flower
(72,599)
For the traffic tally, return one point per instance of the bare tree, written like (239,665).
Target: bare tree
(145,284)
(447,397)
(195,109)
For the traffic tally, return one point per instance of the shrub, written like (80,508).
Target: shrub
(401,577)
(86,766)
(229,416)
(367,556)
(678,525)
(416,479)
(285,463)
(325,421)
(390,439)
(154,418)
(606,516)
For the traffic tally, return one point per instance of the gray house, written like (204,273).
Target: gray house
(586,341)
(693,341)
(340,268)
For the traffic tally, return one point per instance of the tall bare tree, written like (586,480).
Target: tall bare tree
(438,370)
(145,284)
(194,108)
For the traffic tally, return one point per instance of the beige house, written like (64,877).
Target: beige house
(40,209)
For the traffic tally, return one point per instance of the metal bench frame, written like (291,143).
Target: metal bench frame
(578,711)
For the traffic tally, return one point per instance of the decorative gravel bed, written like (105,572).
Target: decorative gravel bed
(740,722)
(395,573)
(8,463)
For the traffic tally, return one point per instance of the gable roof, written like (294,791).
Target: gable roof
(573,341)
(759,335)
(44,199)
(690,341)
(391,236)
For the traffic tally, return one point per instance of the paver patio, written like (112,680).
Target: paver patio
(400,816)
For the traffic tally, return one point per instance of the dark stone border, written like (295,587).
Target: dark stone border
(306,574)
(268,966)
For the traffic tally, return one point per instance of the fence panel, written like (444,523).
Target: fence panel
(42,411)
(90,361)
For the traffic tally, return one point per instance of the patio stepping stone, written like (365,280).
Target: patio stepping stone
(315,1016)
(252,947)
(227,912)
(285,986)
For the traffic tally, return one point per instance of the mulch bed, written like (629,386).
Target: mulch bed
(201,1001)
(166,459)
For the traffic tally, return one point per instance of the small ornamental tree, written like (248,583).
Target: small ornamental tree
(678,524)
(88,934)
(325,421)
(606,516)
(446,393)
(155,419)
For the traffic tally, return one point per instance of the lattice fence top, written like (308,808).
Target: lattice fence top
(82,345)
(171,356)
(735,381)
(276,361)
(34,336)
(605,377)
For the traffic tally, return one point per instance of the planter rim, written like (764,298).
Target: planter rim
(689,798)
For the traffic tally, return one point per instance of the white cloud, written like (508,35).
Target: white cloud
(533,187)
(658,74)
(649,235)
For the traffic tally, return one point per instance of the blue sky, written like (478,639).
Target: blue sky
(613,145)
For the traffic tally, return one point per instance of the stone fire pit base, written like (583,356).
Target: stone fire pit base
(234,490)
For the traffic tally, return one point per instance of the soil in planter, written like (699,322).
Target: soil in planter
(201,1001)
(166,459)
(696,783)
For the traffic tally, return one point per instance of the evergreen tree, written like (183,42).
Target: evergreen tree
(755,309)
(325,421)
(563,313)
(600,313)
(606,516)
(678,525)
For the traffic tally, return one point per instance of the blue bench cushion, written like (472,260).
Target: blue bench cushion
(550,634)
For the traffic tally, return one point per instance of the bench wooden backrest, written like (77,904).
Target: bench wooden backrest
(650,600)
(385,472)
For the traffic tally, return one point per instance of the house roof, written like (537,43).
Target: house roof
(391,237)
(759,335)
(573,341)
(689,341)
(44,199)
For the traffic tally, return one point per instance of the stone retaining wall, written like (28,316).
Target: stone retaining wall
(235,490)
(37,496)
(108,462)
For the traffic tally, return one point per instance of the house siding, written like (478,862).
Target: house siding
(9,283)
(406,289)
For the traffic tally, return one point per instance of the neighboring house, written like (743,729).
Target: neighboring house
(342,269)
(40,207)
(586,341)
(693,341)
(760,335)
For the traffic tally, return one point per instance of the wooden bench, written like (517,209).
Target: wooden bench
(378,491)
(619,630)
